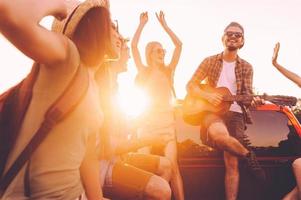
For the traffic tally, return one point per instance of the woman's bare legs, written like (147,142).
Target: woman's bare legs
(176,179)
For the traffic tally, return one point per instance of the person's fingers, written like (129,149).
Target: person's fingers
(220,96)
(216,101)
(157,15)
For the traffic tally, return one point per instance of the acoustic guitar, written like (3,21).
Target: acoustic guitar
(195,108)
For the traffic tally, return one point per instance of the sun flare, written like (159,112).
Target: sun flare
(133,101)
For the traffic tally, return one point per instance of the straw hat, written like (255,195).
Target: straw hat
(76,10)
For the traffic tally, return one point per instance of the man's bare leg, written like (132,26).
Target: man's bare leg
(231,176)
(292,195)
(219,134)
(297,172)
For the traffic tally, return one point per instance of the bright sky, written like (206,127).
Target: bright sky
(200,24)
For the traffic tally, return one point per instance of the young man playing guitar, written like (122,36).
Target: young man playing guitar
(225,131)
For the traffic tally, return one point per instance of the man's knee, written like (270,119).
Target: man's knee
(157,188)
(297,164)
(218,131)
(165,168)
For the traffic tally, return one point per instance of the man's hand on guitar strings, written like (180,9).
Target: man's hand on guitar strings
(214,98)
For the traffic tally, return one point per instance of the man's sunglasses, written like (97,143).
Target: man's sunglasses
(235,34)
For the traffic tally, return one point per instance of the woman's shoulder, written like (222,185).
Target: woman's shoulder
(72,60)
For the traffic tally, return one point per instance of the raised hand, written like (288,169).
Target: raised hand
(143,18)
(275,55)
(56,8)
(287,73)
(64,8)
(161,18)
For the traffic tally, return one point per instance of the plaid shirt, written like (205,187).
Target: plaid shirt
(210,69)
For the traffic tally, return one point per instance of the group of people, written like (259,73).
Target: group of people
(87,154)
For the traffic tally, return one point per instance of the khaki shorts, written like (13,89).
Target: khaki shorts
(130,175)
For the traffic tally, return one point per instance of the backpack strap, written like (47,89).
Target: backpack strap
(13,105)
(65,104)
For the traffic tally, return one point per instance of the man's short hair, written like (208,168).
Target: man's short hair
(235,24)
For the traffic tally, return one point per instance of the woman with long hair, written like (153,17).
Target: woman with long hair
(157,79)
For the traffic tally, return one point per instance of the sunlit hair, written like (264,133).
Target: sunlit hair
(92,36)
(148,50)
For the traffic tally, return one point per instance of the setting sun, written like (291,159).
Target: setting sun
(133,101)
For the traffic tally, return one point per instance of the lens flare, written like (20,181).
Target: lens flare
(133,101)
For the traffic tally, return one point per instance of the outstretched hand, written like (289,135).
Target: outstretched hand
(161,18)
(275,55)
(143,18)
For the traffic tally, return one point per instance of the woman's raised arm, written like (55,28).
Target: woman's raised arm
(176,41)
(19,23)
(135,40)
(288,74)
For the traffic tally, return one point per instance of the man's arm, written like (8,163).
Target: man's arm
(193,85)
(19,23)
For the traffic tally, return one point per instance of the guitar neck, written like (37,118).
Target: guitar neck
(276,99)
(227,97)
(239,98)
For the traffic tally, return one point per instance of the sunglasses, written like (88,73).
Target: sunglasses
(160,51)
(115,26)
(235,34)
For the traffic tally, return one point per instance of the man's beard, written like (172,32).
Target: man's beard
(232,48)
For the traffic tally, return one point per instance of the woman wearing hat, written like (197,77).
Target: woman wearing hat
(157,78)
(65,163)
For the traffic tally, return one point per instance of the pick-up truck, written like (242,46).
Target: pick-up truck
(275,136)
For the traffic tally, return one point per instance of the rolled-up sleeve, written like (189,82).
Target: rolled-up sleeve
(199,75)
(248,83)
